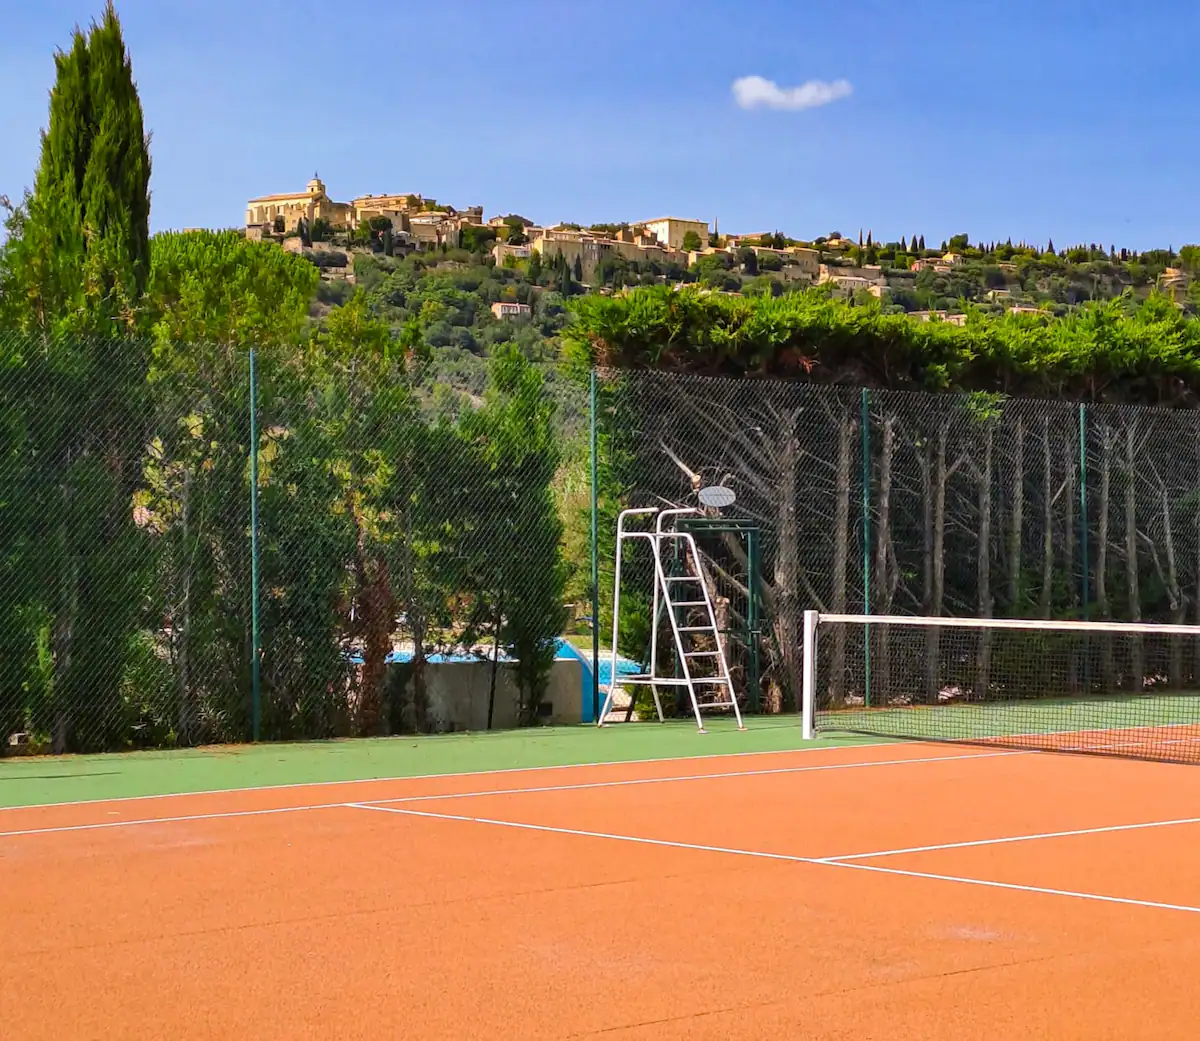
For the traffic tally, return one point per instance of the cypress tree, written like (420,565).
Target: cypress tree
(903,244)
(74,270)
(922,243)
(79,249)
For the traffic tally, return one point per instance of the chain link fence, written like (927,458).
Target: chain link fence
(890,502)
(166,579)
(399,523)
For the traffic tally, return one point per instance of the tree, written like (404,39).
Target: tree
(959,242)
(749,261)
(517,451)
(921,247)
(577,270)
(72,273)
(216,287)
(691,241)
(78,253)
(211,296)
(477,239)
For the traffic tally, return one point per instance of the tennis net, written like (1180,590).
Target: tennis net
(1130,689)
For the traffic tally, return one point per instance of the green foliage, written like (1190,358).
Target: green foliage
(691,241)
(515,437)
(1149,354)
(478,239)
(72,274)
(77,255)
(217,287)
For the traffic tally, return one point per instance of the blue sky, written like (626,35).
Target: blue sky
(1071,119)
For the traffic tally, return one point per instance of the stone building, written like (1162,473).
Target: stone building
(311,204)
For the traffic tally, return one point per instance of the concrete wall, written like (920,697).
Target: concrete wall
(458,695)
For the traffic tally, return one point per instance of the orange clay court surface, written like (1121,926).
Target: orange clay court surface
(886,891)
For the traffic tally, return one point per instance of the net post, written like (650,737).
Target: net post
(808,683)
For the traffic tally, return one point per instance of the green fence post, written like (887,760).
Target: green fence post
(753,670)
(595,490)
(1085,590)
(865,421)
(255,636)
(1085,580)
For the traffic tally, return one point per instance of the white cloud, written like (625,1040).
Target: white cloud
(757,92)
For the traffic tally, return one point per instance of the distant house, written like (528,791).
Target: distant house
(938,264)
(671,231)
(502,251)
(505,309)
(945,316)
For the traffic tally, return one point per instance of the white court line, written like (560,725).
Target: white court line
(785,857)
(769,772)
(461,773)
(218,815)
(1009,838)
(992,884)
(638,840)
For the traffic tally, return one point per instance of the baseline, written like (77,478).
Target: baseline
(478,793)
(287,786)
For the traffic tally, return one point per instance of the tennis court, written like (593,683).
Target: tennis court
(888,890)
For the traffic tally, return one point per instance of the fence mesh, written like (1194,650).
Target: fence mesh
(888,502)
(401,519)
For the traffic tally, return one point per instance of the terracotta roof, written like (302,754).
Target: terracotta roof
(280,198)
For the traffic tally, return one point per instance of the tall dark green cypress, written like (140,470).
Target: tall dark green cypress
(115,192)
(81,255)
(72,275)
